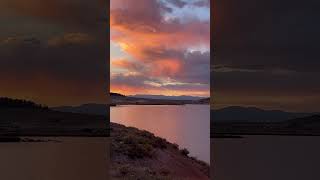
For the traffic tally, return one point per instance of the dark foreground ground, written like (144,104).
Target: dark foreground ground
(137,154)
(265,157)
(305,126)
(46,122)
(55,158)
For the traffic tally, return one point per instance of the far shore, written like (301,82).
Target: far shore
(173,103)
(24,139)
(119,99)
(272,129)
(157,104)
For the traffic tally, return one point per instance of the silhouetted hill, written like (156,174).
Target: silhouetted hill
(204,101)
(97,109)
(252,114)
(119,99)
(116,95)
(253,121)
(162,97)
(26,118)
(18,103)
(310,122)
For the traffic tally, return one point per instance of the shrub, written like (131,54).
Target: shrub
(184,152)
(136,147)
(124,170)
(160,143)
(139,151)
(175,146)
(164,172)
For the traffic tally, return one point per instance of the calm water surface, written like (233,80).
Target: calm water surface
(68,159)
(266,158)
(187,125)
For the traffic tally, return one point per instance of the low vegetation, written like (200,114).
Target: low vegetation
(184,152)
(135,143)
(137,154)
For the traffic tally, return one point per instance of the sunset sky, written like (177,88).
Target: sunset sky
(266,54)
(54,51)
(160,47)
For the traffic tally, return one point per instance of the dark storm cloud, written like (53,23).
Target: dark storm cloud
(135,81)
(70,13)
(62,58)
(266,34)
(77,64)
(68,60)
(196,68)
(266,48)
(267,83)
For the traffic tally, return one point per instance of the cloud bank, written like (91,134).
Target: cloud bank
(165,54)
(54,51)
(266,54)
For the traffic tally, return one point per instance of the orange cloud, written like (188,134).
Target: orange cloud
(133,90)
(140,27)
(125,64)
(166,67)
(157,47)
(71,38)
(135,42)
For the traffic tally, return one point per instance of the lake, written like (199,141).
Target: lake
(65,158)
(266,157)
(186,125)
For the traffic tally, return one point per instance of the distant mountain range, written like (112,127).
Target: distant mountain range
(235,114)
(253,121)
(252,114)
(119,99)
(309,122)
(96,109)
(116,95)
(146,96)
(26,118)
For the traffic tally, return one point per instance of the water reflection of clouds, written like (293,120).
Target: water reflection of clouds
(188,126)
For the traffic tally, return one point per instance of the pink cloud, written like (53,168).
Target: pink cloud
(158,46)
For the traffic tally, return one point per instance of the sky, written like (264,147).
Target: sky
(160,47)
(54,52)
(266,54)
